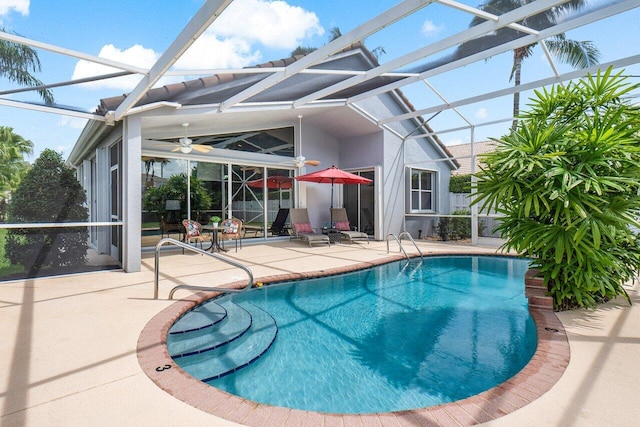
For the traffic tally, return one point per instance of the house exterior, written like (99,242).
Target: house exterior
(227,150)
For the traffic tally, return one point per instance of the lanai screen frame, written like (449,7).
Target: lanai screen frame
(212,9)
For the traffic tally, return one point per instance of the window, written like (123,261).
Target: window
(422,191)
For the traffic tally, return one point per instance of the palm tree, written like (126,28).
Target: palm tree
(334,33)
(17,62)
(579,54)
(13,166)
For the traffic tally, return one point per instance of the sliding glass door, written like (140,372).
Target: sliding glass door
(359,202)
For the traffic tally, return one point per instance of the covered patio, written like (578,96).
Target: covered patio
(340,120)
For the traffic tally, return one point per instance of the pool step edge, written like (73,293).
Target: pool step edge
(536,292)
(236,354)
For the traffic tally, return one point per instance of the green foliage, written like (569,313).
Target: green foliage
(49,193)
(566,181)
(6,268)
(455,228)
(176,189)
(13,166)
(17,61)
(460,183)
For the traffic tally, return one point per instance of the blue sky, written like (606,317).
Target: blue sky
(254,31)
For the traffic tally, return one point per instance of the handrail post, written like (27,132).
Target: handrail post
(399,244)
(405,233)
(168,240)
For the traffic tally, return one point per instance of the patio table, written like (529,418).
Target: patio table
(215,243)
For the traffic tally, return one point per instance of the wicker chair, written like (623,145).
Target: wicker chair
(194,232)
(232,230)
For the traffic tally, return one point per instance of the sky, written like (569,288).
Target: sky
(255,31)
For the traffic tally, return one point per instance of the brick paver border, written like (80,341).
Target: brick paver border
(541,373)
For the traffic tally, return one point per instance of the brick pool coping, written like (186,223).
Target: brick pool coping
(541,373)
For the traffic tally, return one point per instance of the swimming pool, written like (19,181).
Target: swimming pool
(398,336)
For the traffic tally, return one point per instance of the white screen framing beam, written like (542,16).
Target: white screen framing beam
(72,53)
(461,37)
(567,25)
(208,13)
(635,59)
(561,28)
(52,110)
(394,14)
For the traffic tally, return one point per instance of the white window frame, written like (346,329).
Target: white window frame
(432,192)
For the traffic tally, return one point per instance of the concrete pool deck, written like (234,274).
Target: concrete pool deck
(69,353)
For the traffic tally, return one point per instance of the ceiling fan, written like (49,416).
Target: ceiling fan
(301,161)
(186,144)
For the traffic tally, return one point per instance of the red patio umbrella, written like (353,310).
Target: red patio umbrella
(333,175)
(274,181)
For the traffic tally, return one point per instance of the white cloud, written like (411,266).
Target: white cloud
(210,52)
(454,141)
(482,113)
(275,24)
(20,6)
(72,122)
(430,29)
(136,55)
(229,43)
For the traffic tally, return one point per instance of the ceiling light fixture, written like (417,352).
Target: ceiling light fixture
(185,143)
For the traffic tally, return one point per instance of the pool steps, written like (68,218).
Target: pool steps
(209,338)
(536,292)
(209,352)
(201,317)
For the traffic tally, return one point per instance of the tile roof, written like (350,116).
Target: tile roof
(219,87)
(462,153)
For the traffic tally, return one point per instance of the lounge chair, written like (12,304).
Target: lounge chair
(278,226)
(301,228)
(339,217)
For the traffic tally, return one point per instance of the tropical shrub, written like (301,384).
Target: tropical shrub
(566,182)
(460,183)
(455,228)
(13,166)
(175,188)
(49,193)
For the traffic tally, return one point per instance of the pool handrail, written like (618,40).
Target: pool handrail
(168,240)
(399,244)
(406,233)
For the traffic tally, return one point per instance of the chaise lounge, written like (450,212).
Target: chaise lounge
(301,228)
(339,217)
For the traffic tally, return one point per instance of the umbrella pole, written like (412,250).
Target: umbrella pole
(331,210)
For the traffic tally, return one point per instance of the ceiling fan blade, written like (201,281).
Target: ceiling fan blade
(312,162)
(201,148)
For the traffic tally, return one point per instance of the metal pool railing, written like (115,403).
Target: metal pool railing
(399,241)
(405,233)
(183,245)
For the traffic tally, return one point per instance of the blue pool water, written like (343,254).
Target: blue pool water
(395,337)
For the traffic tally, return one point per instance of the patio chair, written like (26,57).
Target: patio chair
(171,220)
(301,228)
(278,226)
(194,232)
(232,230)
(339,217)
